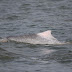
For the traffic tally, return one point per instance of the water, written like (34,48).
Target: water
(18,17)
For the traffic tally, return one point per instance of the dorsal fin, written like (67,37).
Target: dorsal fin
(45,34)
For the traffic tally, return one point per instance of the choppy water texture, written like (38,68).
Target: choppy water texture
(18,17)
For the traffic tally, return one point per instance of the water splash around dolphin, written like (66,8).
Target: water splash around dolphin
(39,38)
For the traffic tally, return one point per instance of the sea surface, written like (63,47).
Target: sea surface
(19,17)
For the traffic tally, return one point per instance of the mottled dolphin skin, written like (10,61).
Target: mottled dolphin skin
(39,38)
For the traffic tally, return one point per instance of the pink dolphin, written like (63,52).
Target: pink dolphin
(39,38)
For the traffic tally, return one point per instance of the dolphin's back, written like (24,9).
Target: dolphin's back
(39,38)
(31,38)
(34,39)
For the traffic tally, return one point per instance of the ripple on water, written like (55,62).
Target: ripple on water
(25,16)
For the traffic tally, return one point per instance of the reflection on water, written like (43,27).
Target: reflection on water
(18,17)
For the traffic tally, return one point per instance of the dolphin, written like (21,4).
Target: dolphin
(40,38)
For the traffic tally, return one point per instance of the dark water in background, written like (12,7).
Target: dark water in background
(18,17)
